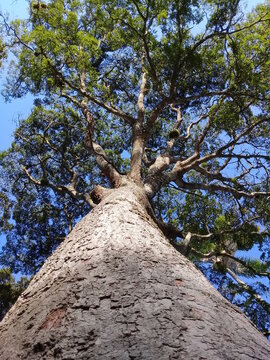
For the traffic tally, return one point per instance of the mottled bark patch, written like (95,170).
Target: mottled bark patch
(179,282)
(54,319)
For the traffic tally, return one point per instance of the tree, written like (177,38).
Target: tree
(9,290)
(131,95)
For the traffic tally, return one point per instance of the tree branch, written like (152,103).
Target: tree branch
(104,164)
(82,91)
(153,118)
(221,254)
(227,32)
(69,189)
(216,187)
(250,291)
(138,141)
(183,166)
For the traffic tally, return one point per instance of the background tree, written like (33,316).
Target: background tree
(173,95)
(10,290)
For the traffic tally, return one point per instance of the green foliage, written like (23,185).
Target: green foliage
(254,266)
(236,294)
(10,290)
(5,212)
(2,51)
(227,117)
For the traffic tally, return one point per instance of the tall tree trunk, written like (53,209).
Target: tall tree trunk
(116,289)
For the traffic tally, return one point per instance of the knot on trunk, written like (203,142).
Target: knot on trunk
(99,193)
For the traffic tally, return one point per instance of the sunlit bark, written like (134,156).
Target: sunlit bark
(116,289)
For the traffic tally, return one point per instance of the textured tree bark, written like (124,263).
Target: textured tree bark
(116,289)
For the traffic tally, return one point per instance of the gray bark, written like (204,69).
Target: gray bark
(116,289)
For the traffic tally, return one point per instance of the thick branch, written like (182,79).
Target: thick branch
(104,164)
(154,176)
(182,166)
(179,120)
(153,118)
(138,142)
(221,254)
(194,160)
(216,187)
(69,189)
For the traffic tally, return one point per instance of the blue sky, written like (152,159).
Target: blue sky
(11,112)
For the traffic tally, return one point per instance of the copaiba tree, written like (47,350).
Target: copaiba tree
(169,95)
